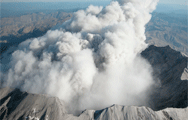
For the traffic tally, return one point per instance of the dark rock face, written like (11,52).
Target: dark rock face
(168,66)
(171,91)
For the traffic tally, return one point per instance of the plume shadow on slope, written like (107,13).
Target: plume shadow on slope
(168,66)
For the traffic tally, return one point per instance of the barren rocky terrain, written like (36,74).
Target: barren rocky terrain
(168,29)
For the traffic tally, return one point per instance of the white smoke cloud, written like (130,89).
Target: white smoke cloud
(90,62)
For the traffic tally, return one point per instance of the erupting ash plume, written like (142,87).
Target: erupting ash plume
(91,61)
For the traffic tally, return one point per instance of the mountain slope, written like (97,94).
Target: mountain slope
(168,66)
(139,113)
(168,29)
(15,30)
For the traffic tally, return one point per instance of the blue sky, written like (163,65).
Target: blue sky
(182,2)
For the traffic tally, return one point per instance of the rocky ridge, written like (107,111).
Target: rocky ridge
(17,105)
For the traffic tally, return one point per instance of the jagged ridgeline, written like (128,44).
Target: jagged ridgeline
(91,61)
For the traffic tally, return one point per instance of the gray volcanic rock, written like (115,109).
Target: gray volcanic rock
(22,105)
(168,66)
(17,105)
(185,74)
(117,112)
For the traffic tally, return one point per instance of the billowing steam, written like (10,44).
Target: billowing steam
(92,61)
